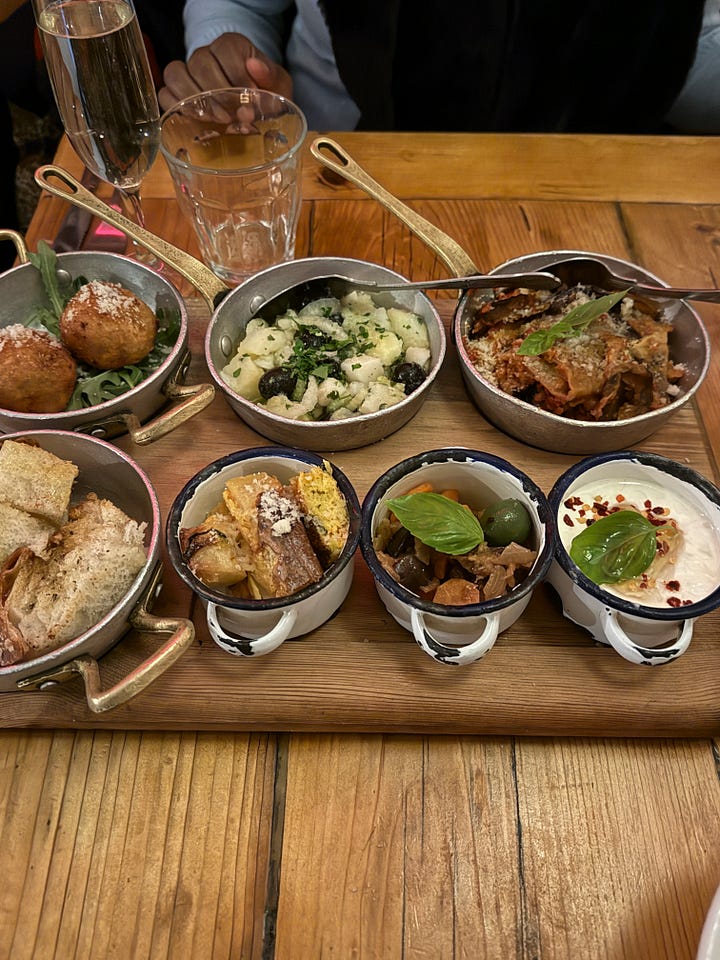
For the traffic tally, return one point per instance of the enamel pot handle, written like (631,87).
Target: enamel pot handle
(632,651)
(245,647)
(455,656)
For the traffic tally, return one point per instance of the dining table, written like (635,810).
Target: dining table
(346,796)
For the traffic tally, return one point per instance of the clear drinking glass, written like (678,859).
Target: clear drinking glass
(101,78)
(235,159)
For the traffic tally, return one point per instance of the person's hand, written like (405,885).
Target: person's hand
(229,61)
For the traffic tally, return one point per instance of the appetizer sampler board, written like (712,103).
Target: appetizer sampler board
(361,671)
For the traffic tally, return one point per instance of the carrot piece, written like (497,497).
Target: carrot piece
(457,592)
(451,495)
(422,488)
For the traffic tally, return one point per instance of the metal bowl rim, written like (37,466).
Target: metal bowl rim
(545,259)
(319,425)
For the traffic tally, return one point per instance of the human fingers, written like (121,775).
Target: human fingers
(178,84)
(201,73)
(269,76)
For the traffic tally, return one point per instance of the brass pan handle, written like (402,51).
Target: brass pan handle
(182,634)
(200,276)
(191,400)
(18,240)
(332,155)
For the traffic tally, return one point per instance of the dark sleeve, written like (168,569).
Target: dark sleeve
(514,65)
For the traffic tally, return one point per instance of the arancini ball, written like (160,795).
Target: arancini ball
(107,326)
(37,373)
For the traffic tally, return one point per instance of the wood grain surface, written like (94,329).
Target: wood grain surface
(183,826)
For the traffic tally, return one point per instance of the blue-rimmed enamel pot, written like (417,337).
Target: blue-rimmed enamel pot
(648,620)
(246,627)
(457,635)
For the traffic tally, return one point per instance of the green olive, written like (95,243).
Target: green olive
(506,521)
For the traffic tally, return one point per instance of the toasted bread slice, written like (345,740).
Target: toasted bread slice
(270,525)
(91,564)
(20,529)
(35,480)
(285,561)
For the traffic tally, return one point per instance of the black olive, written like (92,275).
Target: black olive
(275,381)
(337,318)
(312,338)
(333,369)
(412,573)
(411,375)
(400,542)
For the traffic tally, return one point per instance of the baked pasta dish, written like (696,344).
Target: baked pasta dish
(615,366)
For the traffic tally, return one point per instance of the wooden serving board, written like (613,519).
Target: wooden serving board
(361,671)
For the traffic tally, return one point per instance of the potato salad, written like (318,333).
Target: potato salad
(331,360)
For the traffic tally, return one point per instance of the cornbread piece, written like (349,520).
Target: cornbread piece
(107,326)
(37,373)
(20,529)
(325,512)
(241,496)
(35,480)
(91,564)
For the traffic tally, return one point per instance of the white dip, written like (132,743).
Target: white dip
(688,572)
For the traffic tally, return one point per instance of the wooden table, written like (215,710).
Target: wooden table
(551,801)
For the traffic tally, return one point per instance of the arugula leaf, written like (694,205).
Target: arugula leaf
(96,387)
(575,321)
(617,547)
(45,262)
(438,522)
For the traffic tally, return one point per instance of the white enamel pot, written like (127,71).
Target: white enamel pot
(252,628)
(457,635)
(645,634)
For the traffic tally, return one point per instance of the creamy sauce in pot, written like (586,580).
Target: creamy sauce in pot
(688,572)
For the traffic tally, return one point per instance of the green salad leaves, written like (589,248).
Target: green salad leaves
(95,386)
(617,547)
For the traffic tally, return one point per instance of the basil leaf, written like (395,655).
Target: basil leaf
(438,522)
(617,547)
(575,321)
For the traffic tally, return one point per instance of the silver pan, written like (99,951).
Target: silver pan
(148,411)
(110,473)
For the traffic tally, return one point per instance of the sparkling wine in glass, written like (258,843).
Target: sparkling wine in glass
(103,87)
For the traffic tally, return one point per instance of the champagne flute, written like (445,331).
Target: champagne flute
(104,90)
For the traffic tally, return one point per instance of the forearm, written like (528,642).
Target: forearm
(259,20)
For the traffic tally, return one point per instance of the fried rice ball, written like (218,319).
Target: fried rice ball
(107,326)
(37,373)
